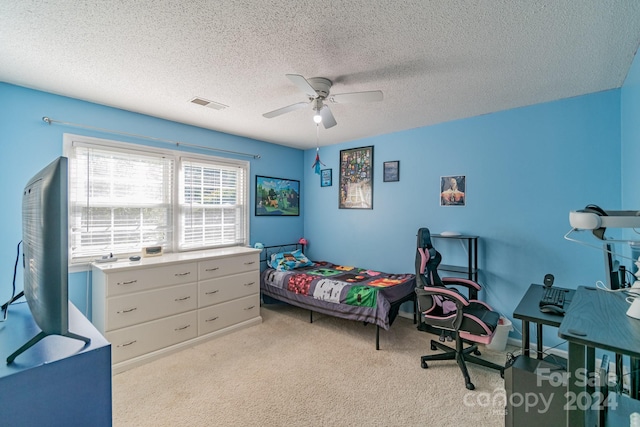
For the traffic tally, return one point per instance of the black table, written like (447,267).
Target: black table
(597,319)
(529,311)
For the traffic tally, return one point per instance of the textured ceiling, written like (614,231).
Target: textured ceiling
(435,61)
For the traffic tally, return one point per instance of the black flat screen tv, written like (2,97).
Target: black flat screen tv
(45,248)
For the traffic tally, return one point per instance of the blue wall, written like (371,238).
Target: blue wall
(27,144)
(630,124)
(525,170)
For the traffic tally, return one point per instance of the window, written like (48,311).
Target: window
(212,205)
(123,197)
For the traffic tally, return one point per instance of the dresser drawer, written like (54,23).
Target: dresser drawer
(220,316)
(230,265)
(214,291)
(140,279)
(127,310)
(141,339)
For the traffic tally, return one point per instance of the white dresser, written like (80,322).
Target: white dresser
(158,305)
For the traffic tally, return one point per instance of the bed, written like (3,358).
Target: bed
(348,292)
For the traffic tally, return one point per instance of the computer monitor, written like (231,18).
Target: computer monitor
(46,251)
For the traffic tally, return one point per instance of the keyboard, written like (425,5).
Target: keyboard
(553,296)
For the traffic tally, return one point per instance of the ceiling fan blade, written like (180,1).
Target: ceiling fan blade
(302,84)
(344,98)
(328,121)
(283,110)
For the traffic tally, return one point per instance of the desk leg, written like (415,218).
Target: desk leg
(619,373)
(591,369)
(634,383)
(539,349)
(525,338)
(576,362)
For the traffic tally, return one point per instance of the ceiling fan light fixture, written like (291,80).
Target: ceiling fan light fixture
(318,92)
(317,118)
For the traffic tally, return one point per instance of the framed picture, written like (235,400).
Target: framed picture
(356,178)
(453,190)
(277,196)
(391,171)
(325,178)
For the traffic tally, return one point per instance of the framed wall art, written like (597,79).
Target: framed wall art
(453,190)
(325,178)
(391,171)
(277,196)
(356,178)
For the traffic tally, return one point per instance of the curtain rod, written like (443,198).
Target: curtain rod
(167,141)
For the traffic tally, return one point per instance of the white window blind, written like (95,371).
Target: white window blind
(213,204)
(123,198)
(118,201)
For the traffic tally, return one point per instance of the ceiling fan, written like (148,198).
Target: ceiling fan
(318,90)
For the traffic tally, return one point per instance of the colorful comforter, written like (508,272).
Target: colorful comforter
(341,291)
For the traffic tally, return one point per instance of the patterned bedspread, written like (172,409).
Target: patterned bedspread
(342,291)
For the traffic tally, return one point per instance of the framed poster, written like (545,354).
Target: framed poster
(325,178)
(356,178)
(277,196)
(453,190)
(391,171)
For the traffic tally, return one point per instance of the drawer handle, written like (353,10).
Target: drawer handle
(212,269)
(128,344)
(250,283)
(249,262)
(212,319)
(182,299)
(130,282)
(128,310)
(250,308)
(182,328)
(182,274)
(212,292)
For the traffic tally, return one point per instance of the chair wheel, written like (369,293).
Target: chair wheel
(470,386)
(502,373)
(424,364)
(433,347)
(477,352)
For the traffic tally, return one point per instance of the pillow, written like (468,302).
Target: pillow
(289,260)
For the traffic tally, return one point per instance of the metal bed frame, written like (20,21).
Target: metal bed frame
(265,255)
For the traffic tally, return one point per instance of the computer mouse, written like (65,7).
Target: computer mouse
(552,309)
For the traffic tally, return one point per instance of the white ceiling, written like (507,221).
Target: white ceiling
(435,61)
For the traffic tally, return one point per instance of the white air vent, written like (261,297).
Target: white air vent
(207,103)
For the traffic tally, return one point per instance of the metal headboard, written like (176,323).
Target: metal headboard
(267,251)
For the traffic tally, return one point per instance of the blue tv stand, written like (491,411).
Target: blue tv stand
(58,381)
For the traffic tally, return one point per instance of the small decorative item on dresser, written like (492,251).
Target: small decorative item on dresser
(151,251)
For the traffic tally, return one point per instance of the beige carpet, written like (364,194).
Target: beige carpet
(288,372)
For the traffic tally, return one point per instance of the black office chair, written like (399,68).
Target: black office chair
(444,308)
